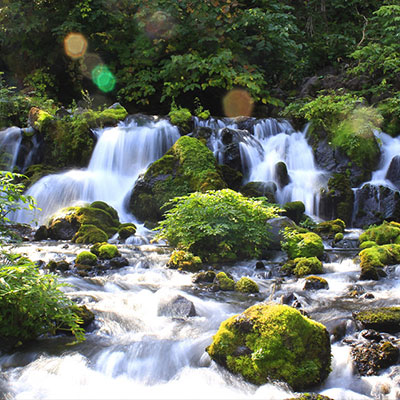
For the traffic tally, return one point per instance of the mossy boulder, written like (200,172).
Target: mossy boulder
(273,342)
(184,261)
(126,230)
(93,223)
(387,232)
(303,266)
(294,210)
(315,283)
(373,259)
(86,258)
(260,189)
(329,229)
(188,166)
(383,319)
(311,396)
(303,245)
(224,283)
(246,285)
(108,251)
(182,118)
(366,244)
(36,172)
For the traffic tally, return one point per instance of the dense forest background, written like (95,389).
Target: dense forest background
(150,55)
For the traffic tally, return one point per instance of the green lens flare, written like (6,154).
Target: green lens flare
(103,78)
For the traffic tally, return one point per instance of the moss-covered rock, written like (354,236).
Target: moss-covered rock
(126,230)
(260,189)
(311,396)
(224,282)
(387,232)
(93,223)
(338,237)
(182,118)
(330,228)
(188,166)
(184,261)
(108,251)
(246,285)
(36,172)
(302,244)
(273,342)
(303,266)
(366,244)
(86,258)
(315,283)
(294,210)
(373,259)
(383,319)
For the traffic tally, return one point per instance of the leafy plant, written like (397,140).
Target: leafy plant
(218,225)
(32,303)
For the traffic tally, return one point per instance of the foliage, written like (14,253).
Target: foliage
(184,261)
(218,224)
(12,197)
(32,303)
(180,117)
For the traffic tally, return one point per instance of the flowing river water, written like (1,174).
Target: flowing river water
(134,349)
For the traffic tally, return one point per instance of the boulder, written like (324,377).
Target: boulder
(393,172)
(294,210)
(315,283)
(303,245)
(260,189)
(177,307)
(303,266)
(271,342)
(383,319)
(281,174)
(276,227)
(374,204)
(246,285)
(184,261)
(188,166)
(204,277)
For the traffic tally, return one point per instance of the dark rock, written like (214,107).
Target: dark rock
(232,177)
(204,277)
(202,133)
(63,229)
(41,233)
(178,307)
(374,204)
(260,265)
(371,335)
(294,210)
(393,172)
(315,283)
(118,262)
(260,189)
(383,319)
(243,324)
(276,227)
(281,174)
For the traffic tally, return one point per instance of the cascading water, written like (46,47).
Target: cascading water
(120,155)
(10,140)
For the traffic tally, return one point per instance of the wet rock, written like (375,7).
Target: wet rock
(42,233)
(260,265)
(315,283)
(374,204)
(118,262)
(260,189)
(371,335)
(177,307)
(204,277)
(393,172)
(281,174)
(383,319)
(276,227)
(294,210)
(61,266)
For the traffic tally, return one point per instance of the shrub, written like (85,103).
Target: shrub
(218,225)
(32,304)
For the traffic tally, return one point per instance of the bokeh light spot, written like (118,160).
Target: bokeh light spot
(238,102)
(103,78)
(75,45)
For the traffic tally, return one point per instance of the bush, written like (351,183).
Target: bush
(218,225)
(32,304)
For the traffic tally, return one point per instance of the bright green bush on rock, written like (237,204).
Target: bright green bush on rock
(88,233)
(181,117)
(273,342)
(246,285)
(188,166)
(387,232)
(224,283)
(108,251)
(330,228)
(218,225)
(126,230)
(303,266)
(32,304)
(184,261)
(368,243)
(302,244)
(86,258)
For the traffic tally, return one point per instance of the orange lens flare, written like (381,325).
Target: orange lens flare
(75,45)
(238,102)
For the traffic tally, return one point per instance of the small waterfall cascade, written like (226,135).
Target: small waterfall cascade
(121,154)
(10,141)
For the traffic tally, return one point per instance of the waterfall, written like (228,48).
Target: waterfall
(10,140)
(121,154)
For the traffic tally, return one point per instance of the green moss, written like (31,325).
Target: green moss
(342,195)
(181,117)
(41,119)
(107,117)
(36,172)
(95,248)
(338,237)
(108,251)
(376,257)
(302,244)
(89,234)
(225,283)
(368,243)
(294,210)
(315,282)
(303,266)
(386,319)
(387,232)
(126,230)
(184,261)
(281,345)
(86,258)
(330,228)
(246,285)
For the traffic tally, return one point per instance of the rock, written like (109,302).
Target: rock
(202,133)
(246,285)
(276,227)
(285,346)
(374,204)
(178,307)
(315,283)
(294,210)
(311,396)
(224,283)
(260,189)
(86,258)
(41,233)
(118,262)
(281,174)
(329,229)
(393,172)
(188,166)
(260,265)
(108,251)
(184,261)
(204,277)
(386,233)
(303,245)
(61,266)
(232,177)
(303,266)
(383,319)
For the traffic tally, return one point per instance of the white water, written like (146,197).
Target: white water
(10,140)
(121,154)
(136,353)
